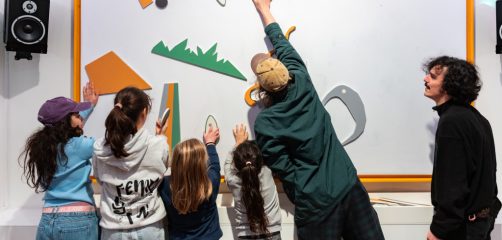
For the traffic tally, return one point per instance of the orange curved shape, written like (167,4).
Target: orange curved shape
(290,30)
(247,95)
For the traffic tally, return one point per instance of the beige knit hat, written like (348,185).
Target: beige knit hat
(272,75)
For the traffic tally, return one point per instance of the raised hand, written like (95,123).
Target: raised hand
(90,94)
(240,134)
(160,129)
(263,8)
(262,4)
(211,136)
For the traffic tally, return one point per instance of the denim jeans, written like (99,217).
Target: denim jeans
(273,237)
(68,225)
(151,231)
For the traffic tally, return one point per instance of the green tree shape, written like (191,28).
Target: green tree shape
(206,60)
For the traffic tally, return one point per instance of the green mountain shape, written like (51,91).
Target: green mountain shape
(206,60)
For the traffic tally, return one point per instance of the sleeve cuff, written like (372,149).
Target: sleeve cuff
(86,113)
(437,231)
(211,149)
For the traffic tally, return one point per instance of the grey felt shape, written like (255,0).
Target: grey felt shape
(354,104)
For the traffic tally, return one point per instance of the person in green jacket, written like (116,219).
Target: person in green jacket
(299,144)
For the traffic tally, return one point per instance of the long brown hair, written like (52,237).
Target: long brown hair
(129,102)
(248,161)
(190,183)
(40,154)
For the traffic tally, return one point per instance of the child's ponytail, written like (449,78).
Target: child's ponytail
(120,124)
(118,128)
(248,161)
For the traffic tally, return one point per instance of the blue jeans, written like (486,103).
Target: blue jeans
(68,225)
(152,231)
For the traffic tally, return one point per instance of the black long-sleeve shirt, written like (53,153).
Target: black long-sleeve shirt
(463,178)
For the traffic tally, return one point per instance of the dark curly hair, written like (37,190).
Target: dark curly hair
(461,81)
(40,154)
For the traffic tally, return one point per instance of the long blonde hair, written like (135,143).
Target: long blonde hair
(190,183)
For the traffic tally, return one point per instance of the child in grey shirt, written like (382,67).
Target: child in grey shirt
(252,185)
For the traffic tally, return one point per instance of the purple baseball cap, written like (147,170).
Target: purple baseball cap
(54,110)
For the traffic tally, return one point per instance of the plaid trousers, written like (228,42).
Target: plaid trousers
(354,218)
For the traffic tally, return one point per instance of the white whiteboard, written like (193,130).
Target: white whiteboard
(376,47)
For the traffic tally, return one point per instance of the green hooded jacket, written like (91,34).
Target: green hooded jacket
(299,143)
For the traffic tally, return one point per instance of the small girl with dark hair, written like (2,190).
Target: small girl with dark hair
(189,194)
(252,185)
(129,164)
(56,161)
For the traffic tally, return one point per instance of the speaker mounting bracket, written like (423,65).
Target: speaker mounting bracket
(21,55)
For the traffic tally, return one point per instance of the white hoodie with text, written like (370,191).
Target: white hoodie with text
(129,185)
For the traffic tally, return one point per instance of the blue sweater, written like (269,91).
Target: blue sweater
(71,181)
(204,223)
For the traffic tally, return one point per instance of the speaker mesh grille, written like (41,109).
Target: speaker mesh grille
(28,29)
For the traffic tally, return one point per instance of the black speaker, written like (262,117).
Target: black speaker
(498,48)
(26,26)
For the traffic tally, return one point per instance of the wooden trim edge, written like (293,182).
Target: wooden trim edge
(76,50)
(470,35)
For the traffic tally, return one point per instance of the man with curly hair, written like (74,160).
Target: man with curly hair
(464,186)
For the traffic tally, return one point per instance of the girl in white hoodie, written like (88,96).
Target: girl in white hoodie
(129,163)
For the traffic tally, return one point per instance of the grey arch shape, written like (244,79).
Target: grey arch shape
(354,104)
(222,2)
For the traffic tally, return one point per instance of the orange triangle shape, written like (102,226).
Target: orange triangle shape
(145,3)
(110,74)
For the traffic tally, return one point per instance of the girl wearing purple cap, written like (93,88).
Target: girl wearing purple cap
(56,161)
(129,164)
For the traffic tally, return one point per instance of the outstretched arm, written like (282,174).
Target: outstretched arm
(263,8)
(90,95)
(240,136)
(284,51)
(210,138)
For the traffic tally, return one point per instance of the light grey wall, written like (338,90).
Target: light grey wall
(25,86)
(3,116)
(11,233)
(373,47)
